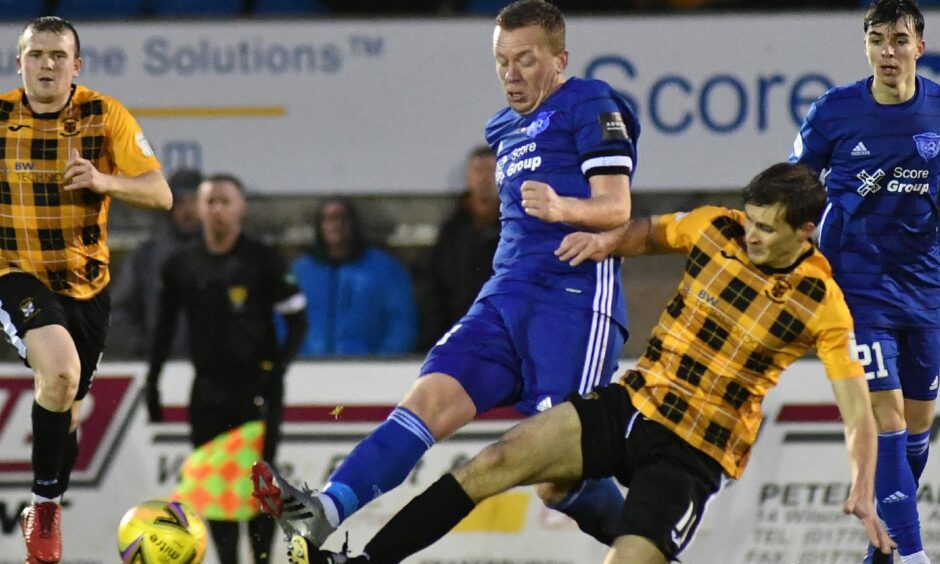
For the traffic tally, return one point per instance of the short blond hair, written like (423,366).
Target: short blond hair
(546,15)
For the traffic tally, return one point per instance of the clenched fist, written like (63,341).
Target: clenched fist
(540,200)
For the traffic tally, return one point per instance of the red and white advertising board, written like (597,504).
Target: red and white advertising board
(786,509)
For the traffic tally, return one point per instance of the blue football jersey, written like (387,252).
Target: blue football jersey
(584,128)
(880,226)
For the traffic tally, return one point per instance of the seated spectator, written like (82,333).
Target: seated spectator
(136,287)
(359,298)
(462,259)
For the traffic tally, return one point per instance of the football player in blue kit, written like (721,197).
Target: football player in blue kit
(540,329)
(877,140)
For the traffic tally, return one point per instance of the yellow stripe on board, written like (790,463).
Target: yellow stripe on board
(209,111)
(504,513)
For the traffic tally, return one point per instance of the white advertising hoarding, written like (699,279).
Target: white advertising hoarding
(785,510)
(374,106)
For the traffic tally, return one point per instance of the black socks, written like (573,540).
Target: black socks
(421,522)
(50,449)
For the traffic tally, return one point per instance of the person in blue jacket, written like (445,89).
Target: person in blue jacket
(359,298)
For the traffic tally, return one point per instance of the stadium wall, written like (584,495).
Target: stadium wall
(786,509)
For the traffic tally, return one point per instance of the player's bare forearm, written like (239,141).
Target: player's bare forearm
(148,190)
(578,247)
(598,212)
(628,240)
(861,440)
(635,239)
(609,206)
(861,435)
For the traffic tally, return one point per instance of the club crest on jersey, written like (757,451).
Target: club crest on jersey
(28,309)
(779,290)
(237,296)
(69,127)
(538,125)
(928,144)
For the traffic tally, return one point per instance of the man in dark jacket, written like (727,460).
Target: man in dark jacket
(229,285)
(462,258)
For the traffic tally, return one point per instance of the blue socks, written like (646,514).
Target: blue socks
(596,506)
(896,492)
(918,447)
(380,462)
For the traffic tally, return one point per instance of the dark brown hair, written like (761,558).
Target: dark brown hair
(53,24)
(795,186)
(890,11)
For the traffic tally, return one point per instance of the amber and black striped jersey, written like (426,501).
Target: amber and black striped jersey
(731,329)
(58,236)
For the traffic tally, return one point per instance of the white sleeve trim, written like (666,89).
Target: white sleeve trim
(293,304)
(614,160)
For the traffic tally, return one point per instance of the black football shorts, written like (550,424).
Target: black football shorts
(26,303)
(669,482)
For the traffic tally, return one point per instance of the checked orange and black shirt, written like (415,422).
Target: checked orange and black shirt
(732,328)
(61,237)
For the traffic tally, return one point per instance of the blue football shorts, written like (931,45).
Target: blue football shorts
(527,353)
(905,359)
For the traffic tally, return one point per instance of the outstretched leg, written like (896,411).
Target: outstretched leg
(435,407)
(545,448)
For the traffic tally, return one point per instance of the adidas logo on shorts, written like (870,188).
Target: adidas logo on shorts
(896,497)
(544,404)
